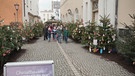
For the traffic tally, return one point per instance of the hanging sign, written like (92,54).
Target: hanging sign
(95,42)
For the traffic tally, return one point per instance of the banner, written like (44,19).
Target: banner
(34,68)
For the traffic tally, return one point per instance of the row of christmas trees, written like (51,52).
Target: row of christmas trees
(102,38)
(13,36)
(97,37)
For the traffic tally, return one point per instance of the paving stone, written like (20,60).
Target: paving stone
(44,50)
(85,63)
(91,65)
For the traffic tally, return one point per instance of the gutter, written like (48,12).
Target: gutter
(116,14)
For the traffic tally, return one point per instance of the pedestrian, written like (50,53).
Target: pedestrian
(59,34)
(49,33)
(45,31)
(66,34)
(62,30)
(54,33)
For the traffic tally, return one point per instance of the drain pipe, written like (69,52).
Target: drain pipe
(116,18)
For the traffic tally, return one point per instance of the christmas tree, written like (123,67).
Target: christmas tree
(90,34)
(77,33)
(127,46)
(107,35)
(71,27)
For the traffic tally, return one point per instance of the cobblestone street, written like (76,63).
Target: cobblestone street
(71,59)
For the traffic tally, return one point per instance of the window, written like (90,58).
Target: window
(30,5)
(86,17)
(95,5)
(27,3)
(76,14)
(95,11)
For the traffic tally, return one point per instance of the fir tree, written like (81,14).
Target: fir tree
(127,46)
(107,34)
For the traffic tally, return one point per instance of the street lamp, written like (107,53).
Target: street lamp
(16,7)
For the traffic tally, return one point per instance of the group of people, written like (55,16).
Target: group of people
(57,33)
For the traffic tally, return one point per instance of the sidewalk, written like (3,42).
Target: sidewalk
(71,59)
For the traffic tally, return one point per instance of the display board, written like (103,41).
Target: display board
(31,68)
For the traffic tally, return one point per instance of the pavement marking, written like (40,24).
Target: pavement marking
(69,62)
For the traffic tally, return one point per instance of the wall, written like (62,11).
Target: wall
(107,7)
(7,11)
(46,15)
(125,7)
(30,6)
(87,11)
(72,5)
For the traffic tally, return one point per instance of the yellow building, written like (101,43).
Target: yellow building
(8,11)
(27,11)
(71,10)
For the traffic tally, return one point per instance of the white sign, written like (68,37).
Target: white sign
(32,68)
(95,42)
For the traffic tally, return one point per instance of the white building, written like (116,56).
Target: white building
(56,9)
(46,15)
(118,11)
(93,9)
(55,12)
(30,11)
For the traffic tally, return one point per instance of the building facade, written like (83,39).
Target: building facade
(71,10)
(27,12)
(54,11)
(93,9)
(8,11)
(46,15)
(31,11)
(118,11)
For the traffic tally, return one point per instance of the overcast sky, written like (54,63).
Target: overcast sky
(45,4)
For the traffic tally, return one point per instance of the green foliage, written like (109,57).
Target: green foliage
(71,27)
(27,33)
(10,40)
(126,45)
(89,34)
(75,31)
(104,34)
(37,29)
(107,33)
(30,32)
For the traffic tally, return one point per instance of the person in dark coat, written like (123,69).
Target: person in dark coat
(59,34)
(45,30)
(66,34)
(49,33)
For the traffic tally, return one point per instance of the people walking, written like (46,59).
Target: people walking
(66,34)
